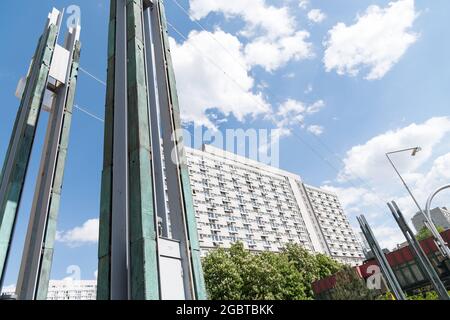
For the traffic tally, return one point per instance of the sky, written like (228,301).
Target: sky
(341,82)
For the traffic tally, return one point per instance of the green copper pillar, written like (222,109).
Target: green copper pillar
(50,86)
(148,247)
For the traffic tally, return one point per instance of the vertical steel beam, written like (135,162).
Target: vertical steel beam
(38,250)
(19,150)
(181,208)
(142,229)
(128,245)
(113,270)
(104,243)
(422,261)
(142,107)
(157,157)
(119,219)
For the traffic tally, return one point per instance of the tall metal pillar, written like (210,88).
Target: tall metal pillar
(50,85)
(421,258)
(38,252)
(386,269)
(148,246)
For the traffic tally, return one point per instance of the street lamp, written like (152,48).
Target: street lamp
(429,223)
(414,150)
(442,246)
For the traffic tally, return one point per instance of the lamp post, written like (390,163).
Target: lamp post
(414,150)
(429,223)
(442,246)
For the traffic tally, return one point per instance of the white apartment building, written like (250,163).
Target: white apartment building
(265,208)
(343,243)
(72,290)
(67,289)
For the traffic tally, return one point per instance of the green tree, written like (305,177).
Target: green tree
(222,276)
(427,295)
(272,276)
(327,266)
(311,267)
(349,286)
(241,275)
(238,274)
(425,233)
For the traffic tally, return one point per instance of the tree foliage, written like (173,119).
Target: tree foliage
(311,267)
(238,274)
(425,233)
(427,295)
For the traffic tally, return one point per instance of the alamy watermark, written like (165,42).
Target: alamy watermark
(375,280)
(74,18)
(261,145)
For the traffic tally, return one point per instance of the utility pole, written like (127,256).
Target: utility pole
(148,243)
(49,86)
(440,243)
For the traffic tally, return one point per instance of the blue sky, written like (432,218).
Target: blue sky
(344,81)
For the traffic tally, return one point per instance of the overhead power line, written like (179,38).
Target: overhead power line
(88,113)
(92,76)
(314,150)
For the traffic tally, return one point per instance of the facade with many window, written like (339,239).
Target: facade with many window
(343,243)
(265,208)
(67,289)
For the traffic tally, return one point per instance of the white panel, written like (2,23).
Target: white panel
(171,273)
(169,248)
(60,61)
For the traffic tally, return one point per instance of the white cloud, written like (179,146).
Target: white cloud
(368,161)
(273,54)
(274,39)
(315,129)
(316,15)
(316,106)
(275,22)
(390,236)
(292,113)
(303,4)
(289,75)
(370,181)
(291,106)
(85,234)
(308,89)
(199,65)
(377,41)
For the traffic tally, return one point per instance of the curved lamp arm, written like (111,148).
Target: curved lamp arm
(443,248)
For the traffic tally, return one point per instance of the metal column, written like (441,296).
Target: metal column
(37,257)
(143,158)
(51,83)
(21,143)
(422,260)
(386,269)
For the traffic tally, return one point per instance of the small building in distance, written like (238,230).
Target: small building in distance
(440,217)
